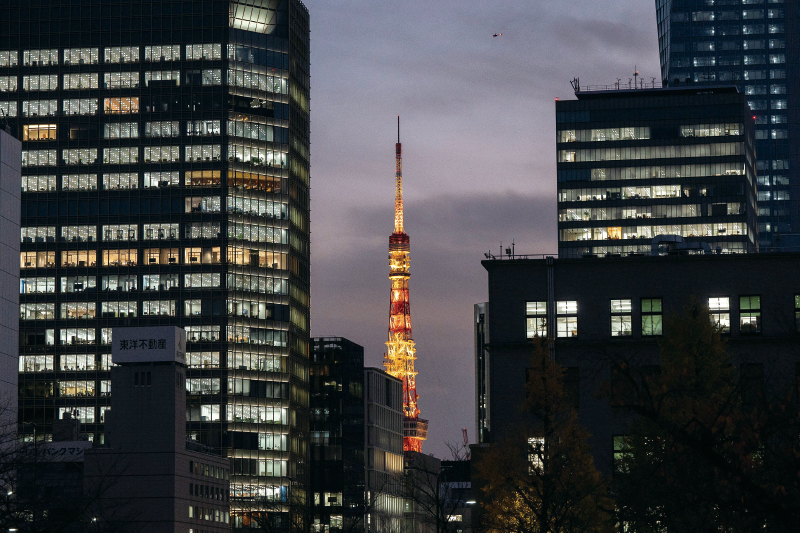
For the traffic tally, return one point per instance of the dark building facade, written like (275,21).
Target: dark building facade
(617,306)
(337,435)
(634,165)
(165,181)
(753,45)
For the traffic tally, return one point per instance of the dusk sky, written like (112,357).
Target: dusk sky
(478,133)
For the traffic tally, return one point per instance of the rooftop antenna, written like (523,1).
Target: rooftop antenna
(635,76)
(576,84)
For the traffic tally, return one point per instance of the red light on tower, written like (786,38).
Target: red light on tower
(400,348)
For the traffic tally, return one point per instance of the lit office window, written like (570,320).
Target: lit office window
(78,233)
(78,283)
(651,317)
(162,154)
(78,310)
(78,258)
(162,231)
(120,232)
(158,308)
(203,127)
(120,80)
(36,108)
(8,109)
(38,234)
(117,156)
(162,256)
(80,106)
(121,54)
(169,78)
(35,58)
(11,58)
(79,182)
(121,106)
(8,84)
(37,311)
(750,314)
(161,179)
(119,282)
(81,56)
(79,156)
(203,178)
(567,318)
(160,282)
(39,158)
(720,313)
(121,180)
(118,309)
(36,363)
(621,320)
(81,81)
(38,183)
(39,132)
(206,152)
(42,285)
(43,82)
(203,51)
(162,129)
(121,130)
(162,53)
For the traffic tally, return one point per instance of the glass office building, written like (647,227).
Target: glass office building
(165,181)
(637,165)
(753,44)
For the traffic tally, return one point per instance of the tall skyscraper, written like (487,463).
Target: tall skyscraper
(400,349)
(166,182)
(641,164)
(754,45)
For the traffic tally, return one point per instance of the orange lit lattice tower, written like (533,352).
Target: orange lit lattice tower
(400,350)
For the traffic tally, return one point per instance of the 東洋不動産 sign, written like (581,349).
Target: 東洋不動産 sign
(148,345)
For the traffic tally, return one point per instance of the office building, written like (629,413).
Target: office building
(149,476)
(10,176)
(165,181)
(596,308)
(753,45)
(337,483)
(638,164)
(383,403)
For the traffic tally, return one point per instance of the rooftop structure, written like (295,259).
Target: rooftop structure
(641,167)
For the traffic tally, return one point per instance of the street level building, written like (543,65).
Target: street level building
(337,435)
(753,45)
(10,176)
(596,309)
(638,164)
(165,181)
(149,475)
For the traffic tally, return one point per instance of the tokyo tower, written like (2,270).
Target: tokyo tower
(400,350)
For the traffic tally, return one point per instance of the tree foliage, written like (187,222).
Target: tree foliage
(707,450)
(543,479)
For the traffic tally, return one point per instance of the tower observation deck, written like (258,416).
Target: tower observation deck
(400,348)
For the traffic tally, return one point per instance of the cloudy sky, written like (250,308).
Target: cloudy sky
(478,134)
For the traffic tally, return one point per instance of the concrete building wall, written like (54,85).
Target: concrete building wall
(10,179)
(587,343)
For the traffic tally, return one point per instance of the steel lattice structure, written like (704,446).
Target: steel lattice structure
(400,348)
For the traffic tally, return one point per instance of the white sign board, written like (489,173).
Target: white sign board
(148,345)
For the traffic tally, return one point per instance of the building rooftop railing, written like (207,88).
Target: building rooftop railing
(512,257)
